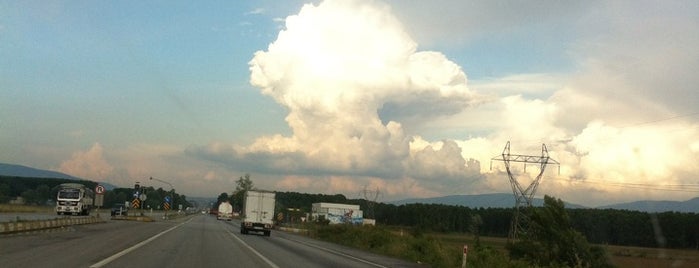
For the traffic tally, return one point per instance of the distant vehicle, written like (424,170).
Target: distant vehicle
(74,199)
(120,209)
(225,211)
(258,212)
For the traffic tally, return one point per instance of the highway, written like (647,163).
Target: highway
(195,241)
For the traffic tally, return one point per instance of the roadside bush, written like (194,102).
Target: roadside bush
(551,240)
(484,256)
(420,249)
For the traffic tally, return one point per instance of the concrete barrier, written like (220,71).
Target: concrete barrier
(133,218)
(26,226)
(292,230)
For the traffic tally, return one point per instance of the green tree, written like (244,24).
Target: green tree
(243,184)
(5,193)
(551,240)
(44,193)
(31,197)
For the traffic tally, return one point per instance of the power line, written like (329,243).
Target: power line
(661,120)
(689,188)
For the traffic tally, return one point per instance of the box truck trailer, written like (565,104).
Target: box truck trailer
(258,212)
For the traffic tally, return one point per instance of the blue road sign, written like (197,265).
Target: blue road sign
(167,199)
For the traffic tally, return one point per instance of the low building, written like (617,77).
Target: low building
(337,213)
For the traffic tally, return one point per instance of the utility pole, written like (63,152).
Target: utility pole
(523,196)
(169,200)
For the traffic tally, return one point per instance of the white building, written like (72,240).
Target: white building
(337,213)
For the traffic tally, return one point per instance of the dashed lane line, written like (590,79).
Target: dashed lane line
(271,264)
(134,247)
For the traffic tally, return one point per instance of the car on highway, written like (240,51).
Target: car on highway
(119,210)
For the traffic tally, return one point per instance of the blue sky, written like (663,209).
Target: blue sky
(409,97)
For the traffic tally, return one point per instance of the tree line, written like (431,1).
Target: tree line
(599,226)
(43,191)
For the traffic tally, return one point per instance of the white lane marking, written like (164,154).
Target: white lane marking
(253,250)
(336,253)
(142,243)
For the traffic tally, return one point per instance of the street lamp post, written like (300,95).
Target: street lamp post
(172,191)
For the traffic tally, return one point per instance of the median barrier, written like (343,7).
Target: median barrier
(35,225)
(133,218)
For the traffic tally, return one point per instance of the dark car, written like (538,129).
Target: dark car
(119,210)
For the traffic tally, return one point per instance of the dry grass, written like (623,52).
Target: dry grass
(621,256)
(9,208)
(652,257)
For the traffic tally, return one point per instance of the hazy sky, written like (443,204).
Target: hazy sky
(412,98)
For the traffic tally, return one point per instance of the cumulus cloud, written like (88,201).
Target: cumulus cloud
(360,94)
(351,77)
(87,164)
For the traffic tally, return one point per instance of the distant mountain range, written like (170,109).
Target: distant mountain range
(498,200)
(503,200)
(691,205)
(22,171)
(29,172)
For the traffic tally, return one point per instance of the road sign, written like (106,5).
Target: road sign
(99,189)
(167,199)
(99,200)
(166,206)
(136,203)
(136,194)
(142,197)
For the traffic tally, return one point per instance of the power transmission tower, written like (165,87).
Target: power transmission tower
(523,196)
(370,196)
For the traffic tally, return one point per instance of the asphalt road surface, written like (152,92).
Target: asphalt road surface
(196,241)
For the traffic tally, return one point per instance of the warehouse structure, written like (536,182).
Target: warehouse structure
(337,213)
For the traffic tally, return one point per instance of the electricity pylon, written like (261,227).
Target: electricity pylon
(523,196)
(370,196)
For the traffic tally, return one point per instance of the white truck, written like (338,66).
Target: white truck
(225,211)
(258,212)
(75,199)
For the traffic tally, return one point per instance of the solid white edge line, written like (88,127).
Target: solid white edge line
(134,247)
(253,250)
(337,253)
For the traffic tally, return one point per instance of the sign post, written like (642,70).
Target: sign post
(166,205)
(463,262)
(99,198)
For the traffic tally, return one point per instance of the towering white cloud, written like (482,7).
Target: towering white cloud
(351,77)
(335,66)
(359,95)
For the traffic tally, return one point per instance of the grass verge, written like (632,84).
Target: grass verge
(446,250)
(415,246)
